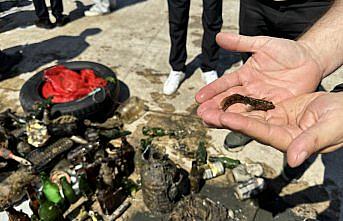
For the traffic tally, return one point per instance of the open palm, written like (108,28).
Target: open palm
(299,126)
(278,69)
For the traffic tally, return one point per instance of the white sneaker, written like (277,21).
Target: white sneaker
(94,11)
(173,81)
(209,76)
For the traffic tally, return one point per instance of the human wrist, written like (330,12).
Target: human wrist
(314,53)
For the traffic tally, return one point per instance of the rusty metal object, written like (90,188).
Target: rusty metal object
(42,157)
(257,104)
(160,190)
(195,207)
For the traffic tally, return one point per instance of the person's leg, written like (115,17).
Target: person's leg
(57,12)
(299,17)
(178,25)
(41,9)
(56,8)
(254,20)
(212,22)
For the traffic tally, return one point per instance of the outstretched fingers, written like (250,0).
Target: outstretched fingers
(256,126)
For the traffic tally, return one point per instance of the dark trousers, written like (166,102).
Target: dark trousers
(178,24)
(42,10)
(288,19)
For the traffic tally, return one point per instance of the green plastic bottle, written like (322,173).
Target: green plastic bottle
(227,162)
(68,191)
(51,190)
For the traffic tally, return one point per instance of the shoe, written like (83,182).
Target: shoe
(62,20)
(44,23)
(209,76)
(95,11)
(173,81)
(11,61)
(235,139)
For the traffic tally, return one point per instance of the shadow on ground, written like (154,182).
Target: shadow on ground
(330,190)
(7,5)
(124,3)
(23,19)
(60,49)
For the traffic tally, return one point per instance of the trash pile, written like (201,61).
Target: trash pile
(68,168)
(72,169)
(169,189)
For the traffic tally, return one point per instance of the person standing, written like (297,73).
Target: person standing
(276,18)
(43,14)
(178,24)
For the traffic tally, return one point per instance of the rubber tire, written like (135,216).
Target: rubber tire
(93,107)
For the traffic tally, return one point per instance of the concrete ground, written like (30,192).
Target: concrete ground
(133,40)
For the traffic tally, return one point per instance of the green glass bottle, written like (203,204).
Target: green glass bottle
(201,154)
(114,133)
(154,131)
(68,191)
(51,190)
(48,211)
(227,162)
(84,187)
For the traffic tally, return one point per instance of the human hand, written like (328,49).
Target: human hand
(278,69)
(299,126)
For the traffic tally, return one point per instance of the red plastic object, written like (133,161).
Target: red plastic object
(65,85)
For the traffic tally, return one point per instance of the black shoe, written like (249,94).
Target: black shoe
(62,20)
(235,139)
(11,61)
(44,23)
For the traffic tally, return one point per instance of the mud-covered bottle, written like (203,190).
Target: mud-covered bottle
(227,162)
(196,177)
(114,133)
(201,154)
(33,199)
(68,191)
(131,110)
(48,211)
(14,215)
(84,186)
(52,192)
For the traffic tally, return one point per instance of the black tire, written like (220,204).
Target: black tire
(96,107)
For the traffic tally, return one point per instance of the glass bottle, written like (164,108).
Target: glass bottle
(68,191)
(227,162)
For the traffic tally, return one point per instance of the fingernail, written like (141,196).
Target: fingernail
(301,157)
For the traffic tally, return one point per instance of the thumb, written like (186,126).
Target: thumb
(317,137)
(241,43)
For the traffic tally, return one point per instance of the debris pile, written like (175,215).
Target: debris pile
(83,166)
